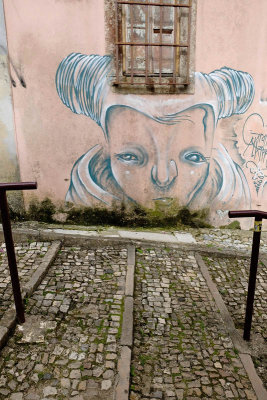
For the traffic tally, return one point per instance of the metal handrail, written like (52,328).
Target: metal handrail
(18,186)
(248,213)
(258,215)
(4,187)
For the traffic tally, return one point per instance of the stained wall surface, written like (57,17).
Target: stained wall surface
(8,152)
(86,144)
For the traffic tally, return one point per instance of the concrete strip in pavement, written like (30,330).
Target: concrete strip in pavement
(41,271)
(124,363)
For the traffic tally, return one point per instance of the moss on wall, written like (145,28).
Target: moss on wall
(133,216)
(38,211)
(232,225)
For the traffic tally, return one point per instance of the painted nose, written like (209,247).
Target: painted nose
(163,175)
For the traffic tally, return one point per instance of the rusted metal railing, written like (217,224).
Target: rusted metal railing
(259,216)
(122,45)
(4,187)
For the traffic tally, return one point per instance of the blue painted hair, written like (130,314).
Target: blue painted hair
(82,83)
(234,90)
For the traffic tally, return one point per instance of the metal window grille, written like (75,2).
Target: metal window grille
(152,44)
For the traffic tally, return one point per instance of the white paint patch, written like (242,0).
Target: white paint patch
(192,172)
(157,237)
(184,237)
(222,213)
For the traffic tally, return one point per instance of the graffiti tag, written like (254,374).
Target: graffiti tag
(255,139)
(258,174)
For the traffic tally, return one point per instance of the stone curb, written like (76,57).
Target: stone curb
(131,256)
(9,319)
(263,259)
(124,363)
(127,322)
(129,284)
(72,237)
(3,335)
(238,342)
(42,270)
(256,382)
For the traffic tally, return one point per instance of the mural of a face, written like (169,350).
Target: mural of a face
(157,148)
(154,161)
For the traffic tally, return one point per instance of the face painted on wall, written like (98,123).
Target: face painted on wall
(153,161)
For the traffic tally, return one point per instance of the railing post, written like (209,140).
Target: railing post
(252,276)
(258,215)
(10,244)
(11,256)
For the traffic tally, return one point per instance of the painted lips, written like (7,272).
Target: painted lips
(164,201)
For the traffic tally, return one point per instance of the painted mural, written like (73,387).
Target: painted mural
(161,148)
(253,149)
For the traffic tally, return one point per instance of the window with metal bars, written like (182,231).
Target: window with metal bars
(153,43)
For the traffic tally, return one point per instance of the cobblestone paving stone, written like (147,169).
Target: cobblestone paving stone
(29,256)
(231,278)
(81,303)
(226,238)
(181,349)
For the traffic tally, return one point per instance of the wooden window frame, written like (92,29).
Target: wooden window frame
(120,48)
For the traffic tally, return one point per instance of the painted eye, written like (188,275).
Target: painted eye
(129,158)
(134,155)
(195,158)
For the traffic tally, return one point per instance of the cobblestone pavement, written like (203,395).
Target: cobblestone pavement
(231,278)
(29,256)
(181,349)
(227,238)
(70,344)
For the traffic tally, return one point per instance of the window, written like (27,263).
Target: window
(152,46)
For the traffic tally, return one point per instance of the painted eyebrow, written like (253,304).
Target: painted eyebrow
(174,119)
(187,117)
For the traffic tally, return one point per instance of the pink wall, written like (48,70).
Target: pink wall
(51,137)
(40,35)
(9,171)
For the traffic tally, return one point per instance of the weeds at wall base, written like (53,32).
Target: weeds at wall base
(232,225)
(119,215)
(38,211)
(136,216)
